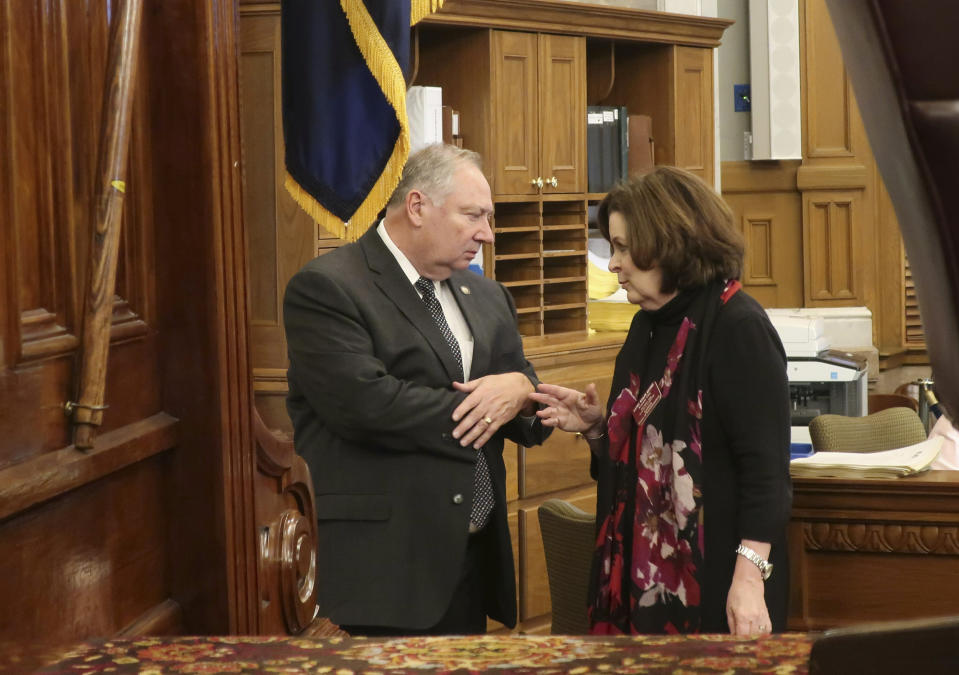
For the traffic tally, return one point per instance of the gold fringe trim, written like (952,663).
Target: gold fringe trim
(317,212)
(422,8)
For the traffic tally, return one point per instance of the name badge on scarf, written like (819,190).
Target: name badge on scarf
(647,403)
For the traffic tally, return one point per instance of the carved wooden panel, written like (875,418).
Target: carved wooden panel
(286,521)
(515,111)
(872,537)
(829,97)
(768,210)
(141,533)
(873,550)
(831,246)
(562,109)
(281,236)
(758,263)
(694,104)
(104,564)
(38,259)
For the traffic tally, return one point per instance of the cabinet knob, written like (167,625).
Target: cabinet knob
(552,181)
(537,182)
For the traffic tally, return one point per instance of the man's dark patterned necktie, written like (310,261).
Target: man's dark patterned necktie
(482,484)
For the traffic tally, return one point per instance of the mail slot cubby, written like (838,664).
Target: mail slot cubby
(516,216)
(565,268)
(530,324)
(518,270)
(525,243)
(560,241)
(564,213)
(527,297)
(564,320)
(539,254)
(564,294)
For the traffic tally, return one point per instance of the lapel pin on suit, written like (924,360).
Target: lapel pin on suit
(465,290)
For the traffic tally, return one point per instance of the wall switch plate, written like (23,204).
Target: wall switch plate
(741,98)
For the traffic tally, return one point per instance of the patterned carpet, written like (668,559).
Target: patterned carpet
(533,655)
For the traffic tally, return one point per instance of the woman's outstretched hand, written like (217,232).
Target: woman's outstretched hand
(569,409)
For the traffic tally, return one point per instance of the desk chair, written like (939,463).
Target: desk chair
(884,430)
(569,536)
(927,646)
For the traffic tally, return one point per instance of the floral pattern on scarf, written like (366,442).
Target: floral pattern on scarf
(650,545)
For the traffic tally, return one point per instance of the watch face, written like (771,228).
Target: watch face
(767,571)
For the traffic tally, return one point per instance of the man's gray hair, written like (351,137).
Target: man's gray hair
(430,171)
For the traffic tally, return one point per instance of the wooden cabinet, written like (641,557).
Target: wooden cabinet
(534,151)
(522,99)
(522,103)
(539,103)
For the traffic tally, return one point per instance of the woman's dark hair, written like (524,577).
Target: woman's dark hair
(676,221)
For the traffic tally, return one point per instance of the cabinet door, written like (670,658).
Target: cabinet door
(516,128)
(562,112)
(694,111)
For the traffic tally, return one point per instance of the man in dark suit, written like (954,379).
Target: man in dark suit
(406,374)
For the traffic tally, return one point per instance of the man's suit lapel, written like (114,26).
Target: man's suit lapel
(392,282)
(465,289)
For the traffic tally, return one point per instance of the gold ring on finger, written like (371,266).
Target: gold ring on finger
(488,420)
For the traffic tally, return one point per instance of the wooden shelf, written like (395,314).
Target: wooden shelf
(563,280)
(570,305)
(506,230)
(519,284)
(516,256)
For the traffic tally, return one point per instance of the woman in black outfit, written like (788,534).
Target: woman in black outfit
(692,453)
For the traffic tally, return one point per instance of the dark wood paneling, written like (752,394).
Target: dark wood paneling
(191,50)
(152,530)
(281,236)
(90,562)
(871,550)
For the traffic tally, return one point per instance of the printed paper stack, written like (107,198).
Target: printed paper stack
(906,461)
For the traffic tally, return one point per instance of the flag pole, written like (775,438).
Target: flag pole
(87,411)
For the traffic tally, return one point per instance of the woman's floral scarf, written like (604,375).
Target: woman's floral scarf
(649,546)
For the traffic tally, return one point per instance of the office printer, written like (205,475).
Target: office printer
(821,380)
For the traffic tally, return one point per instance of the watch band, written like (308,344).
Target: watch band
(765,567)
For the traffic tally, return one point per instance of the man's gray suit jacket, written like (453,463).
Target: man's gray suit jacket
(371,402)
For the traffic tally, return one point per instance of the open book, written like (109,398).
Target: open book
(885,464)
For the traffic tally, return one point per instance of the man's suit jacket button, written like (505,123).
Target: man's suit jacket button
(457,498)
(446,437)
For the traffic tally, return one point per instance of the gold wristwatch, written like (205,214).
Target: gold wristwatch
(765,567)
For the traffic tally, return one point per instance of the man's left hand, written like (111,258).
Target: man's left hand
(492,401)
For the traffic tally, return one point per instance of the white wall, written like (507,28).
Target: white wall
(733,69)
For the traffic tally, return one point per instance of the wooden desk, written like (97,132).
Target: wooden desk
(873,550)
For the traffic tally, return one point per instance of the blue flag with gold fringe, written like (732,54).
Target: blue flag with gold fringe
(344,105)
